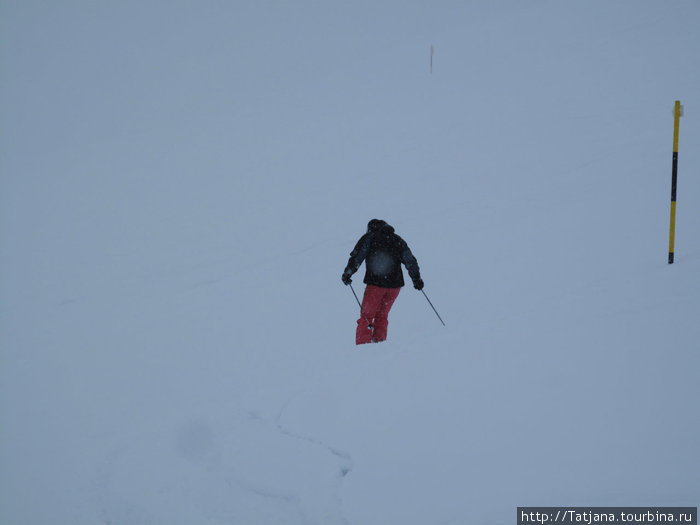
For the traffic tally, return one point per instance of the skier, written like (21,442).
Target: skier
(383,252)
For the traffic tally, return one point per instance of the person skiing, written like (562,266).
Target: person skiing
(383,252)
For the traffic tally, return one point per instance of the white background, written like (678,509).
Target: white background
(181,183)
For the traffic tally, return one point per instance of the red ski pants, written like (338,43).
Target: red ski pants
(376,304)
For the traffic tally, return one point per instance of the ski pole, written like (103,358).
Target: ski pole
(369,325)
(434,310)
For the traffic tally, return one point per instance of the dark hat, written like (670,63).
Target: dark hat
(375,224)
(378,224)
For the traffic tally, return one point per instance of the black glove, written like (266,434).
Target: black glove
(418,283)
(346,278)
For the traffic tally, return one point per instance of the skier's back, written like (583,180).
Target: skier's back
(383,252)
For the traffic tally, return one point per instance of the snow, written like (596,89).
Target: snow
(182,184)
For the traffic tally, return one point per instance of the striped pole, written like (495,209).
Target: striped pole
(677,113)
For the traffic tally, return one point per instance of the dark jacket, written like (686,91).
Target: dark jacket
(383,252)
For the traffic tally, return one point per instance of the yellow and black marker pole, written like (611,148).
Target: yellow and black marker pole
(677,112)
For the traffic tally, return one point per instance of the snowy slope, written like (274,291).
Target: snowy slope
(181,185)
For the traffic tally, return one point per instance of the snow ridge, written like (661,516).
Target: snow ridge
(345,461)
